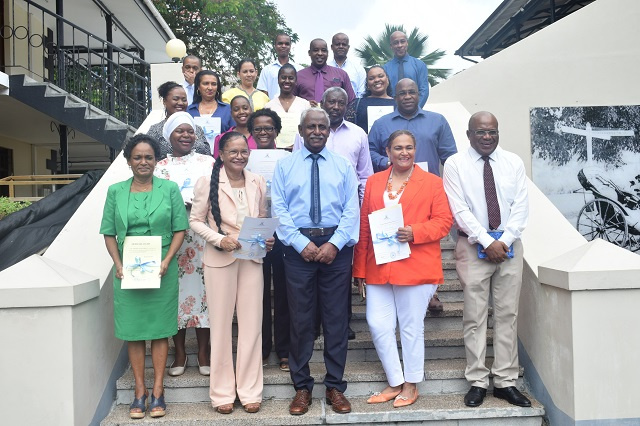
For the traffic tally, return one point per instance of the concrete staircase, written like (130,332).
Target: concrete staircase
(441,394)
(70,110)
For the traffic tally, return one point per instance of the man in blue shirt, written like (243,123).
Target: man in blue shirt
(315,195)
(406,66)
(434,140)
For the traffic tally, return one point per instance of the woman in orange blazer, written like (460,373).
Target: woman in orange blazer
(400,290)
(220,205)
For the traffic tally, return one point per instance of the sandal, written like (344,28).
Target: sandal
(252,407)
(140,403)
(225,409)
(284,364)
(157,403)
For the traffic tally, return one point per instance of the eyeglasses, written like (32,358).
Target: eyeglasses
(483,133)
(267,129)
(407,92)
(234,153)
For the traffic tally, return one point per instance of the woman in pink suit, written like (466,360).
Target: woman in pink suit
(220,205)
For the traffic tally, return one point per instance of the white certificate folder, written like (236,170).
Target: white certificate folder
(384,224)
(141,258)
(253,235)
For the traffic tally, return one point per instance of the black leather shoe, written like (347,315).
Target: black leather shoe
(351,335)
(475,396)
(512,396)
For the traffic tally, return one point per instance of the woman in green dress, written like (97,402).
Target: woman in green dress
(145,206)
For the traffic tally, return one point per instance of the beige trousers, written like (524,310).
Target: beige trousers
(480,277)
(237,286)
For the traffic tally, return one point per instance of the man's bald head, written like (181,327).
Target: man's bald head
(480,115)
(407,97)
(483,132)
(399,44)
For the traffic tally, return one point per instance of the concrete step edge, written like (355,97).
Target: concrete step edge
(435,409)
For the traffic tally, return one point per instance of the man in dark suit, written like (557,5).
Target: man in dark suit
(315,195)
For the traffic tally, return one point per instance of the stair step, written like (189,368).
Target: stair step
(436,410)
(439,344)
(71,110)
(441,377)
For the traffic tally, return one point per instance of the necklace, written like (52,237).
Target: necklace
(399,191)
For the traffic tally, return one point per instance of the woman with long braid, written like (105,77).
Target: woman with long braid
(220,205)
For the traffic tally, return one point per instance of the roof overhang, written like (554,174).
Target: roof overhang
(514,20)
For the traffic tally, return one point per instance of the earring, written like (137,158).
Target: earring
(198,92)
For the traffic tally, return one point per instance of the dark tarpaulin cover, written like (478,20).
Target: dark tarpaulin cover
(34,228)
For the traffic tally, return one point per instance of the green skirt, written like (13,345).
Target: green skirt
(147,314)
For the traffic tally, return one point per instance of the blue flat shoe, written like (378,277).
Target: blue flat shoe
(140,403)
(157,403)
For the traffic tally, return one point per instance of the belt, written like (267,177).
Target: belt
(462,234)
(318,232)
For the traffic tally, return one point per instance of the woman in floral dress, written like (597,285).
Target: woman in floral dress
(184,166)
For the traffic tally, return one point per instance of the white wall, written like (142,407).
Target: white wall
(591,57)
(578,340)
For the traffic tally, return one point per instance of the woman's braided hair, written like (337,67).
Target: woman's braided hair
(215,179)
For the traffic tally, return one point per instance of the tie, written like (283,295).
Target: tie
(493,208)
(400,69)
(319,86)
(316,215)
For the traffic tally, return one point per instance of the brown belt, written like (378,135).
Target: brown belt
(318,232)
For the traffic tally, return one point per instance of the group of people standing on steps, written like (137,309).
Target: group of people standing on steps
(362,143)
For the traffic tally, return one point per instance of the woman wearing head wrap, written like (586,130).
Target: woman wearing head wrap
(174,99)
(184,166)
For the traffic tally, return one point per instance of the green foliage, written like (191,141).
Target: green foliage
(378,51)
(7,206)
(222,32)
(555,146)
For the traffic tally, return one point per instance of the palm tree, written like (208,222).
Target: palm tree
(379,51)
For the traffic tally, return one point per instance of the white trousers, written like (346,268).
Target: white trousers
(406,305)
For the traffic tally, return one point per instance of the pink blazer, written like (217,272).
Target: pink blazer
(201,219)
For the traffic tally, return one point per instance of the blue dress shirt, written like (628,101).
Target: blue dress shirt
(223,111)
(291,198)
(434,140)
(414,69)
(351,142)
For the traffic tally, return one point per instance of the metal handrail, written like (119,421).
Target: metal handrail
(85,65)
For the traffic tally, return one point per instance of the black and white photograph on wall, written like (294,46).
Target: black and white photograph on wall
(586,160)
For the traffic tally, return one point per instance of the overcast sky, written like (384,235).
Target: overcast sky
(449,23)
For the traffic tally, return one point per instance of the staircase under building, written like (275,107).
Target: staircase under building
(70,110)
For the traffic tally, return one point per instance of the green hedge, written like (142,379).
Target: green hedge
(7,206)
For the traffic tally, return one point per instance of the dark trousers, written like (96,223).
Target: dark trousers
(312,284)
(273,266)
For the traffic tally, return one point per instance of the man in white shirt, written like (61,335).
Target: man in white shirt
(191,65)
(268,81)
(487,191)
(357,74)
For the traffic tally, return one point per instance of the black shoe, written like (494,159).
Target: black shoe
(475,396)
(512,396)
(351,335)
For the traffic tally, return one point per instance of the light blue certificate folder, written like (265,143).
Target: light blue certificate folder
(496,235)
